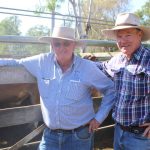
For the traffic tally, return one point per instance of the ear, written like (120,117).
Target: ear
(140,33)
(74,45)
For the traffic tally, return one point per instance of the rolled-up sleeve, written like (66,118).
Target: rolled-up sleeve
(32,64)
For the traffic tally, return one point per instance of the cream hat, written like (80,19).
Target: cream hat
(65,33)
(125,21)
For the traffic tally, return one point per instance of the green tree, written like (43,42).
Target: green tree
(10,26)
(73,7)
(144,13)
(38,30)
(49,6)
(33,49)
(103,14)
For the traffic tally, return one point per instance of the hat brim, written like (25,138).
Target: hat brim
(110,33)
(48,39)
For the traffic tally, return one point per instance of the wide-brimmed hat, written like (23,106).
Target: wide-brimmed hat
(65,33)
(125,21)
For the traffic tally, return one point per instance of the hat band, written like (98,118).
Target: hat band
(126,24)
(63,37)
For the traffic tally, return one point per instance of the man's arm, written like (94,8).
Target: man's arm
(106,86)
(9,62)
(32,64)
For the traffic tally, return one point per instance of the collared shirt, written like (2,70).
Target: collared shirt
(132,86)
(66,101)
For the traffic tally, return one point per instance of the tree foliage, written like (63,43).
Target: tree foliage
(10,26)
(38,30)
(49,5)
(144,13)
(105,11)
(103,14)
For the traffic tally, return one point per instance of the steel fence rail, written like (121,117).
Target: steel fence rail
(35,40)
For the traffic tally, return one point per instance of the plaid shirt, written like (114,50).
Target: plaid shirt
(132,86)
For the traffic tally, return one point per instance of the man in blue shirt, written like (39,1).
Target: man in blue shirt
(65,82)
(130,71)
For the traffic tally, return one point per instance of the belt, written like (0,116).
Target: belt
(133,129)
(68,131)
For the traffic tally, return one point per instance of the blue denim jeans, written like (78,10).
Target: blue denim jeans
(76,140)
(124,140)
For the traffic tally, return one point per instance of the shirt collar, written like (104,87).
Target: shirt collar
(139,52)
(73,62)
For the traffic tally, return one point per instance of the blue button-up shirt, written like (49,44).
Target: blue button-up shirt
(132,87)
(66,101)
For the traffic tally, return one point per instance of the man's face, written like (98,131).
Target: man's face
(128,41)
(63,48)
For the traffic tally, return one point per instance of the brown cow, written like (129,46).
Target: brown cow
(13,95)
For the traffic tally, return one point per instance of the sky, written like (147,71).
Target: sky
(28,22)
(136,4)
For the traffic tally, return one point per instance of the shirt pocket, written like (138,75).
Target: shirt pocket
(141,83)
(118,74)
(46,86)
(76,90)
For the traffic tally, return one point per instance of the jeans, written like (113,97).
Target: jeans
(76,140)
(124,140)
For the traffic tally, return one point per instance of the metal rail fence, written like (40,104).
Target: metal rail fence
(22,46)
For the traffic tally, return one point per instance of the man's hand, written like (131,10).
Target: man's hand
(93,125)
(147,130)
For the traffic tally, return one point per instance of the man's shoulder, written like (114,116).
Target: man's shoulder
(44,56)
(85,64)
(146,55)
(147,51)
(84,61)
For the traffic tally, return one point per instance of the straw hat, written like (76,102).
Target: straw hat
(65,33)
(125,21)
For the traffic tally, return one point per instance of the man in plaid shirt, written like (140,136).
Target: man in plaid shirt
(130,71)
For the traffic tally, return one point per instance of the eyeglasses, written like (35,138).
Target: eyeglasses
(59,44)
